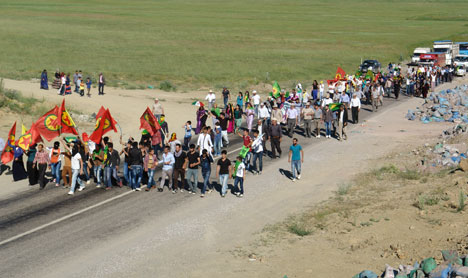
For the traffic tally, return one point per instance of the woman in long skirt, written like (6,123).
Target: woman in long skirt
(230,116)
(201,112)
(32,171)
(19,173)
(250,114)
(44,80)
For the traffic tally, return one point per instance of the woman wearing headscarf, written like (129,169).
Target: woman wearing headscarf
(230,117)
(201,119)
(44,80)
(19,173)
(250,114)
(32,171)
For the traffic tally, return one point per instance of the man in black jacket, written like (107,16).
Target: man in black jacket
(112,163)
(342,117)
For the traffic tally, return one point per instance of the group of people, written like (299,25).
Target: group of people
(63,83)
(76,164)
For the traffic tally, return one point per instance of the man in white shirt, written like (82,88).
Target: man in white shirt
(263,113)
(257,149)
(256,101)
(211,98)
(327,100)
(239,179)
(291,119)
(355,108)
(204,141)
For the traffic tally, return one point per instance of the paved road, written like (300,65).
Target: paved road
(40,227)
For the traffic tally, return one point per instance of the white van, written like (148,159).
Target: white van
(417,52)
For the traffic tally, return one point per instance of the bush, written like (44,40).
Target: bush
(461,201)
(167,86)
(298,229)
(343,189)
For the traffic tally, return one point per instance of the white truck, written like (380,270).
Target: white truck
(448,47)
(417,52)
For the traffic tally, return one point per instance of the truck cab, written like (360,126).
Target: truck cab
(461,60)
(448,48)
(462,48)
(417,52)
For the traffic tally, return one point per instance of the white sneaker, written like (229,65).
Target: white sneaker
(181,190)
(98,186)
(70,193)
(133,190)
(193,192)
(293,180)
(237,194)
(173,192)
(81,188)
(138,189)
(299,176)
(88,182)
(209,191)
(318,136)
(242,195)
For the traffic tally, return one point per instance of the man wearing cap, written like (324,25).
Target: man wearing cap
(256,101)
(211,98)
(307,115)
(158,110)
(275,133)
(277,114)
(291,119)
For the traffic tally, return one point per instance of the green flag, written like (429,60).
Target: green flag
(276,90)
(216,111)
(358,74)
(370,75)
(334,106)
(244,151)
(235,168)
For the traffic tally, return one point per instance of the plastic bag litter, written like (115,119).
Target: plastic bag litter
(428,265)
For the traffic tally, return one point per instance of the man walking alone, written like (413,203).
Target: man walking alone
(296,157)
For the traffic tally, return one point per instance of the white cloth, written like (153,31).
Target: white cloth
(355,102)
(204,142)
(75,162)
(240,170)
(257,145)
(291,113)
(263,112)
(256,99)
(210,97)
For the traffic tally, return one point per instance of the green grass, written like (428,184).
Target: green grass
(208,42)
(298,229)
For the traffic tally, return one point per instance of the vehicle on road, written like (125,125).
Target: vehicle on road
(417,52)
(462,48)
(367,65)
(461,60)
(460,70)
(433,59)
(448,48)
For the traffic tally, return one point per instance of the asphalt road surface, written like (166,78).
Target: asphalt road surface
(38,227)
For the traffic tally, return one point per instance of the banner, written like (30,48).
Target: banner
(8,150)
(47,125)
(104,124)
(149,122)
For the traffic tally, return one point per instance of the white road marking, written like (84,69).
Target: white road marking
(77,213)
(63,218)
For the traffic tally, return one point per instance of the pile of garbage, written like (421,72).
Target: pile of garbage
(449,154)
(453,266)
(444,106)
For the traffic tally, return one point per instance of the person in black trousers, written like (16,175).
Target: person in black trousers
(102,82)
(275,134)
(355,104)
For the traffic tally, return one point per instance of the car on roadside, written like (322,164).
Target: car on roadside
(461,60)
(372,65)
(460,70)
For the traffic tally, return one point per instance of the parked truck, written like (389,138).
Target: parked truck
(448,48)
(462,48)
(433,59)
(417,52)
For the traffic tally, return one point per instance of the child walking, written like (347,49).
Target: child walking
(88,85)
(239,171)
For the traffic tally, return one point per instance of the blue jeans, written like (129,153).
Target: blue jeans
(150,178)
(137,171)
(111,172)
(217,146)
(239,180)
(225,99)
(206,180)
(295,167)
(126,174)
(156,149)
(223,180)
(247,160)
(85,170)
(188,176)
(75,179)
(55,168)
(97,173)
(258,156)
(328,127)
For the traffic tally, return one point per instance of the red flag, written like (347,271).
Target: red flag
(340,74)
(149,122)
(101,112)
(104,124)
(65,122)
(48,126)
(31,137)
(8,151)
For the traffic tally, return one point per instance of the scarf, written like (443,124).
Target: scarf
(177,154)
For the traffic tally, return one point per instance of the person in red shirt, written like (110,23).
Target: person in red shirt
(247,143)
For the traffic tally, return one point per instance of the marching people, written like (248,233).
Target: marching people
(193,158)
(223,172)
(180,164)
(275,134)
(167,161)
(342,122)
(355,108)
(41,161)
(205,161)
(239,177)
(150,162)
(307,116)
(296,158)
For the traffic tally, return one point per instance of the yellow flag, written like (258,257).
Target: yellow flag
(23,129)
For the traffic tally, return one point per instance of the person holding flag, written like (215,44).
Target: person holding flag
(19,173)
(239,171)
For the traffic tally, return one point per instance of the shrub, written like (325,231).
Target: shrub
(461,201)
(167,86)
(298,229)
